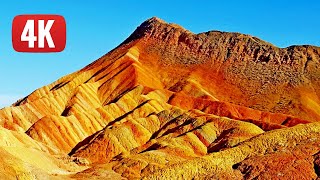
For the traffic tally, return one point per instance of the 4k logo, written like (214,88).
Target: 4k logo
(39,33)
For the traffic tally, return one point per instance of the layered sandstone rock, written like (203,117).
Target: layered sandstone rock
(168,103)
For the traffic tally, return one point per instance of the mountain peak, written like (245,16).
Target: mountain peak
(155,27)
(154,20)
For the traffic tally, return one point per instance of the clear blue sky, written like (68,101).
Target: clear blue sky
(95,27)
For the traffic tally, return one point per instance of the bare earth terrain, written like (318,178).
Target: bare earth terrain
(170,104)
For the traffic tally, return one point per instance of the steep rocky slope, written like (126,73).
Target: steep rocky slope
(168,103)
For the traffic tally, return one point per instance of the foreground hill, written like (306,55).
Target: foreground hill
(168,103)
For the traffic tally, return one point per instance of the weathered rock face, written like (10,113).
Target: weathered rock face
(236,68)
(168,103)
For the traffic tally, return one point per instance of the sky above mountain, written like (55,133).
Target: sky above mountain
(95,27)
